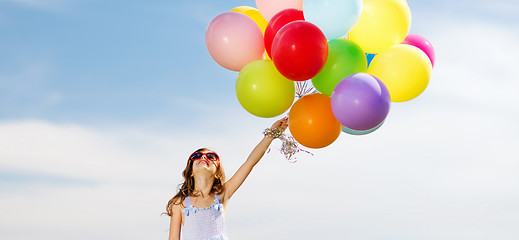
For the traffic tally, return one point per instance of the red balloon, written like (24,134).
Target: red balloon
(299,50)
(279,20)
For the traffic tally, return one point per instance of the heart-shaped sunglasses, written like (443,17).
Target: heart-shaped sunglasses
(209,155)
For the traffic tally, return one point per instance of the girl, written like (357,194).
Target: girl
(197,209)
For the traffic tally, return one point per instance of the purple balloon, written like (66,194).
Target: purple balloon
(360,101)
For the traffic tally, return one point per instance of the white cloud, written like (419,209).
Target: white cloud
(479,68)
(505,8)
(423,175)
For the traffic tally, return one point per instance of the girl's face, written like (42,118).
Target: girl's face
(205,162)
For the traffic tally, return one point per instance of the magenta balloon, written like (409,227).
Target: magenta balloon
(360,101)
(421,43)
(234,40)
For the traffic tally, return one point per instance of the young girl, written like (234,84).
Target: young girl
(197,209)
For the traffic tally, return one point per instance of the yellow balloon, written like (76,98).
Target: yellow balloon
(382,24)
(263,91)
(266,56)
(404,69)
(254,14)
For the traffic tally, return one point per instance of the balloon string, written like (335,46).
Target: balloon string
(289,147)
(304,88)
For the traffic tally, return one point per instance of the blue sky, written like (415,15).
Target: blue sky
(91,57)
(102,101)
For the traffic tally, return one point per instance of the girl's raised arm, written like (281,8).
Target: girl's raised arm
(239,177)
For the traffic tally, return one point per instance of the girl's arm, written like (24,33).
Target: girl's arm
(239,177)
(176,222)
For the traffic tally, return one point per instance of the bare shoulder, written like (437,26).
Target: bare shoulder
(177,205)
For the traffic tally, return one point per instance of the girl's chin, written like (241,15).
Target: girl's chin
(204,169)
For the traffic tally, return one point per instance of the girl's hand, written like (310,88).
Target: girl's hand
(281,124)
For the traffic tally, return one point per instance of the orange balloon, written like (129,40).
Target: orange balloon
(312,123)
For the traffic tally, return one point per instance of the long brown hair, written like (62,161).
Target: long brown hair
(188,186)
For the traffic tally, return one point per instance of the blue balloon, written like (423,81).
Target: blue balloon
(356,132)
(369,57)
(334,17)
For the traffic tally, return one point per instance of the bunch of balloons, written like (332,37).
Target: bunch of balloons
(357,54)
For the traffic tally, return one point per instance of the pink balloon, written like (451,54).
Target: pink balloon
(269,8)
(421,43)
(234,40)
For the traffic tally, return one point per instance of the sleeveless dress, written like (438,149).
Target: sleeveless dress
(204,223)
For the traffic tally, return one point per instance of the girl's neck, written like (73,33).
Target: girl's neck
(203,186)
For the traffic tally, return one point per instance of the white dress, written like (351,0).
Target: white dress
(204,223)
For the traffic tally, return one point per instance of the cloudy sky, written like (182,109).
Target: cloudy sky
(101,102)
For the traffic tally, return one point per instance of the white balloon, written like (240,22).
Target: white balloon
(334,17)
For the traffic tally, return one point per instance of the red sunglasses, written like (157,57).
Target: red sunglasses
(209,155)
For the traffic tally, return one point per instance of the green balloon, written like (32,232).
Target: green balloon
(345,57)
(263,91)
